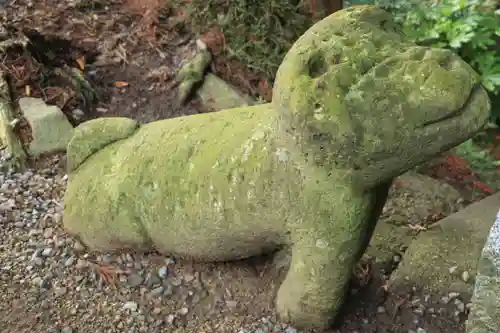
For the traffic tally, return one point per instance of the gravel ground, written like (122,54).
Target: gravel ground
(49,283)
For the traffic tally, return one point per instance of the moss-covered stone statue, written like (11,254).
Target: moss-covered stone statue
(355,104)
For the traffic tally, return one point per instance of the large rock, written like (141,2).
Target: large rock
(216,94)
(355,104)
(484,316)
(50,129)
(437,259)
(414,200)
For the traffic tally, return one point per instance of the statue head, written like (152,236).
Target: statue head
(353,93)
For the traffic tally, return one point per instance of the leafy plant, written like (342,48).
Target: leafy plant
(255,33)
(470,28)
(479,158)
(482,163)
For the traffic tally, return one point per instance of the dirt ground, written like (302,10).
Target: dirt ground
(131,60)
(132,75)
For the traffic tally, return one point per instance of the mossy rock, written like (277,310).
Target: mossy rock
(413,199)
(437,258)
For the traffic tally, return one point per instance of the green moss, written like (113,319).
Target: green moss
(359,96)
(456,242)
(388,240)
(227,179)
(191,73)
(430,256)
(94,135)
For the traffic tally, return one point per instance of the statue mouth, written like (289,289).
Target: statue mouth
(475,90)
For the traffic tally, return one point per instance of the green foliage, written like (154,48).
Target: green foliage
(479,158)
(470,28)
(256,33)
(481,162)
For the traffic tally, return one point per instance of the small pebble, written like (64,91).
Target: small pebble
(188,278)
(419,311)
(37,281)
(130,306)
(466,276)
(175,281)
(170,319)
(78,247)
(453,270)
(162,272)
(231,304)
(48,233)
(69,262)
(134,280)
(156,291)
(460,305)
(77,114)
(46,252)
(38,261)
(60,291)
(168,289)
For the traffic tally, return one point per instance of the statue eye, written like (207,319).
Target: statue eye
(316,65)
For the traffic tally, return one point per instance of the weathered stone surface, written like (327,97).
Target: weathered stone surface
(102,133)
(192,72)
(50,128)
(456,241)
(413,199)
(9,140)
(311,170)
(216,94)
(484,314)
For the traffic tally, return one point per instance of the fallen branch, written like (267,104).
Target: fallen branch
(8,123)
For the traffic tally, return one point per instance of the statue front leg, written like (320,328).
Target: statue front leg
(313,290)
(327,243)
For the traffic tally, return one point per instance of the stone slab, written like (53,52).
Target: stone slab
(413,199)
(50,129)
(216,94)
(437,259)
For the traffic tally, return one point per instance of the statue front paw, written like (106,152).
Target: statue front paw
(300,305)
